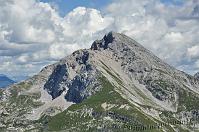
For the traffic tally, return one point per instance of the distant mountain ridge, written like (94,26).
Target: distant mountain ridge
(5,81)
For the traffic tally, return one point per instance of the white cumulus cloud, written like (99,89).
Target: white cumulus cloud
(33,34)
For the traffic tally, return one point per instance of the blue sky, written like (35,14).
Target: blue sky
(175,2)
(66,6)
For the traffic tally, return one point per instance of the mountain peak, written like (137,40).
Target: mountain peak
(122,76)
(103,43)
(113,40)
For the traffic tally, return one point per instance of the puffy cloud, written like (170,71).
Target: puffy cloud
(33,34)
(86,21)
(193,52)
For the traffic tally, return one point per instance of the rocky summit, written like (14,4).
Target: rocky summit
(116,85)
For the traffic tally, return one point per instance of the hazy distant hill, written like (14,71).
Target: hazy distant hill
(5,81)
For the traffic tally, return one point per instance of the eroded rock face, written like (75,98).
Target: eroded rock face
(142,65)
(83,83)
(197,75)
(57,82)
(81,56)
(81,87)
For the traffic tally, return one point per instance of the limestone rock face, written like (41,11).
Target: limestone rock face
(54,85)
(73,75)
(104,43)
(196,75)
